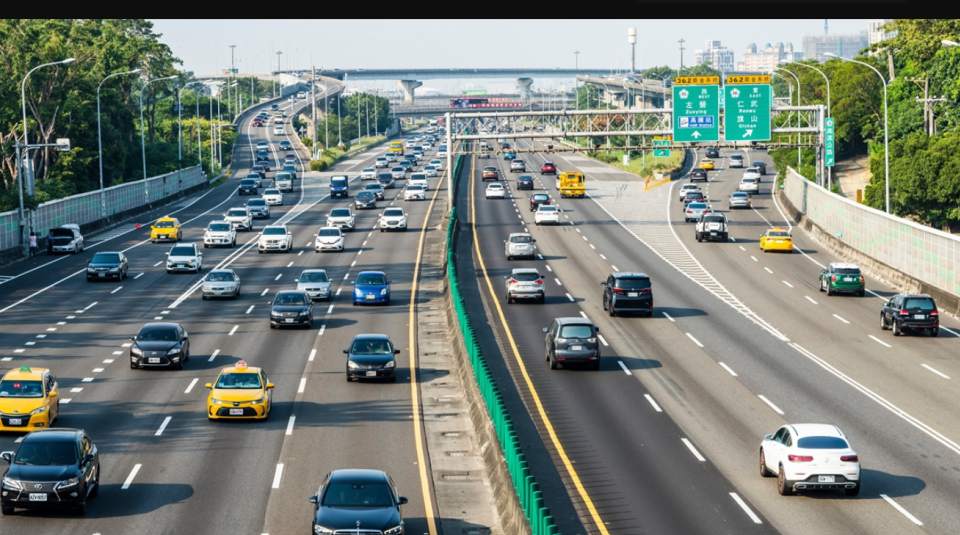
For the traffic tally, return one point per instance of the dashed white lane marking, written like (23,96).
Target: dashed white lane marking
(841,319)
(353,263)
(346,276)
(303,384)
(158,263)
(741,248)
(330,310)
(936,372)
(233,330)
(117,289)
(276,476)
(290,264)
(754,258)
(97,370)
(299,254)
(338,290)
(87,380)
(313,353)
(213,355)
(768,270)
(61,323)
(19,440)
(578,230)
(71,317)
(603,257)
(690,336)
(249,309)
(652,402)
(127,344)
(65,400)
(731,237)
(668,317)
(693,450)
(51,329)
(558,281)
(76,390)
(138,276)
(549,268)
(810,299)
(624,366)
(41,336)
(770,403)
(278,277)
(155,318)
(290,425)
(322,327)
(725,367)
(591,246)
(879,341)
(614,267)
(192,383)
(163,426)
(91,305)
(21,350)
(584,314)
(264,292)
(570,297)
(743,505)
(164,311)
(133,474)
(903,511)
(108,361)
(540,256)
(603,340)
(788,284)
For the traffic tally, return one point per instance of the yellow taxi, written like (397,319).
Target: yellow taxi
(28,399)
(241,392)
(706,164)
(776,239)
(166,228)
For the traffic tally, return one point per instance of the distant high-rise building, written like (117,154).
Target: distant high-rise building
(845,46)
(765,59)
(720,57)
(876,33)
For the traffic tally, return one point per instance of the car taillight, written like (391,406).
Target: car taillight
(833,278)
(689,211)
(904,312)
(800,458)
(539,281)
(849,458)
(618,291)
(512,281)
(861,278)
(643,292)
(934,313)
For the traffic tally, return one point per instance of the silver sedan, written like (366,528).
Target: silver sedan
(221,283)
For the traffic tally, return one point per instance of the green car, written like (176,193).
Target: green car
(840,277)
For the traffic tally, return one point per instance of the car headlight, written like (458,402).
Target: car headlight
(257,401)
(320,530)
(391,364)
(71,242)
(358,291)
(91,270)
(231,288)
(67,484)
(352,365)
(173,351)
(13,484)
(592,340)
(217,401)
(383,291)
(192,261)
(394,530)
(136,351)
(303,312)
(38,411)
(114,269)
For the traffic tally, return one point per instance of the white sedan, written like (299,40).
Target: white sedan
(750,185)
(546,214)
(278,131)
(273,196)
(496,190)
(752,172)
(437,164)
(414,193)
(810,457)
(368,174)
(328,239)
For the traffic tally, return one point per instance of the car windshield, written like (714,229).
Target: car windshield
(371,346)
(219,276)
(576,331)
(164,224)
(520,239)
(106,258)
(750,180)
(544,208)
(373,187)
(274,231)
(414,188)
(369,170)
(385,177)
(548,163)
(158,334)
(256,202)
(371,279)
(398,168)
(239,380)
(540,197)
(847,271)
(393,212)
(43,452)
(313,276)
(418,176)
(525,276)
(290,299)
(694,193)
(364,494)
(340,212)
(364,195)
(329,232)
(822,443)
(182,251)
(697,206)
(713,219)
(21,389)
(736,157)
(525,178)
(740,194)
(273,191)
(339,182)
(779,233)
(490,169)
(921,303)
(289,168)
(248,183)
(495,186)
(632,284)
(237,213)
(219,227)
(429,168)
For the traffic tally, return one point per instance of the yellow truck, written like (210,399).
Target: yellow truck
(396,147)
(571,184)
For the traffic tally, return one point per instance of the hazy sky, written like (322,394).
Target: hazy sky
(347,44)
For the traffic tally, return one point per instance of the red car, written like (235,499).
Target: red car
(257,122)
(548,168)
(265,165)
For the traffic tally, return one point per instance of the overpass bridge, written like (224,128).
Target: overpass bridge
(619,92)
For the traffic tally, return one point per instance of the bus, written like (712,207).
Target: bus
(467,102)
(396,147)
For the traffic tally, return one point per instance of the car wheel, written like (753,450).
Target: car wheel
(782,486)
(81,508)
(934,331)
(180,364)
(897,329)
(830,289)
(133,366)
(764,472)
(854,491)
(6,510)
(605,302)
(699,236)
(203,297)
(883,322)
(260,251)
(612,312)
(861,293)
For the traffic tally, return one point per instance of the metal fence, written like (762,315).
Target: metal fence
(923,253)
(85,207)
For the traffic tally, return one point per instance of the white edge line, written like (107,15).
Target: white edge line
(903,511)
(693,450)
(652,402)
(743,505)
(725,367)
(770,404)
(624,366)
(133,474)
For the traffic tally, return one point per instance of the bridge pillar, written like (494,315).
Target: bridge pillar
(408,87)
(525,84)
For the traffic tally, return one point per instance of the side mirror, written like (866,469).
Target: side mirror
(604,283)
(402,500)
(269,385)
(314,500)
(504,241)
(545,329)
(346,352)
(768,437)
(596,328)
(87,458)
(208,385)
(389,282)
(353,282)
(167,253)
(396,351)
(199,254)
(132,338)
(7,456)
(88,261)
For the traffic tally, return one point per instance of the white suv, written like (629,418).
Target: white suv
(275,238)
(419,179)
(381,162)
(341,218)
(393,218)
(219,233)
(184,257)
(368,174)
(329,239)
(240,218)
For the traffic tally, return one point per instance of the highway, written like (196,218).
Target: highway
(740,343)
(165,468)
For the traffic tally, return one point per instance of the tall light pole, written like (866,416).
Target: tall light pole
(576,80)
(22,155)
(795,77)
(103,195)
(681,56)
(339,130)
(829,113)
(886,138)
(232,65)
(143,142)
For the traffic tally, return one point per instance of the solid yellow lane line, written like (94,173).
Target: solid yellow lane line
(414,385)
(523,370)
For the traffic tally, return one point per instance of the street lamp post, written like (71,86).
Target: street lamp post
(576,81)
(886,138)
(179,117)
(795,77)
(103,195)
(829,113)
(22,166)
(143,142)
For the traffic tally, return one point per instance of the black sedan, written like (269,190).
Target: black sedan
(349,498)
(107,266)
(698,174)
(386,180)
(371,356)
(525,182)
(262,156)
(286,145)
(537,200)
(762,166)
(713,153)
(160,345)
(365,199)
(62,467)
(291,308)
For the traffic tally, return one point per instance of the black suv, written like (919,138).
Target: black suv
(525,182)
(52,469)
(910,312)
(713,153)
(248,186)
(351,498)
(698,174)
(107,266)
(537,200)
(371,356)
(627,292)
(572,340)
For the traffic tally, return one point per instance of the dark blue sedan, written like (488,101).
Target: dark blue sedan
(371,287)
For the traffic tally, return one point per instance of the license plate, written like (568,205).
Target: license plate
(101,274)
(918,316)
(218,292)
(632,294)
(153,360)
(16,421)
(576,348)
(38,497)
(288,320)
(713,233)
(779,241)
(371,296)
(371,374)
(180,265)
(826,479)
(848,279)
(236,412)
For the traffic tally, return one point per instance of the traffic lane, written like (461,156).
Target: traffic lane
(725,337)
(620,409)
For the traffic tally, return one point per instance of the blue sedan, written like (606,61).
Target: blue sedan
(509,155)
(371,287)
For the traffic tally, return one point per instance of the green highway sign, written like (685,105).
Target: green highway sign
(661,153)
(828,142)
(747,113)
(696,113)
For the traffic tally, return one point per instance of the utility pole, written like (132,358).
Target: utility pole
(232,65)
(681,56)
(278,74)
(926,102)
(632,40)
(313,102)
